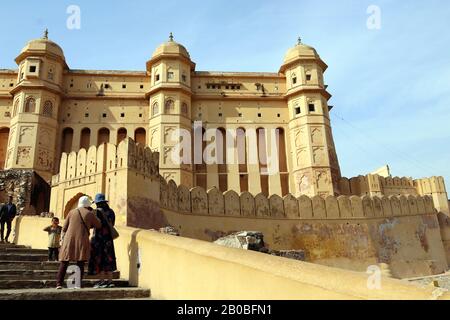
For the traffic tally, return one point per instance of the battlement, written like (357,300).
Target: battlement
(374,184)
(198,201)
(107,158)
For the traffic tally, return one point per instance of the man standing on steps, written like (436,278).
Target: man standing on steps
(8,212)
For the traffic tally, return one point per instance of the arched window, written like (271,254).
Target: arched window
(85,140)
(169,107)
(4,136)
(170,75)
(284,174)
(30,105)
(221,147)
(121,135)
(140,136)
(184,108)
(155,109)
(48,109)
(103,136)
(262,154)
(242,158)
(67,138)
(294,79)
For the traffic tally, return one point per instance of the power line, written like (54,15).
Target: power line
(386,147)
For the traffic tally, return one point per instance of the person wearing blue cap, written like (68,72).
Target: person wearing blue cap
(103,257)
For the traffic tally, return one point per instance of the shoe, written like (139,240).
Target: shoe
(99,284)
(111,285)
(107,284)
(58,287)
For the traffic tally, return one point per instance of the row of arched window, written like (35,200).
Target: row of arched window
(241,146)
(30,107)
(103,136)
(169,108)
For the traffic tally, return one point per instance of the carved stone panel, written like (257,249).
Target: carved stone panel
(23,156)
(26,135)
(319,155)
(317,136)
(45,159)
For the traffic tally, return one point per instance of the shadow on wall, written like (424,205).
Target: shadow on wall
(144,213)
(134,259)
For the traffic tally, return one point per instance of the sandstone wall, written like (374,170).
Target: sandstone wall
(348,232)
(123,173)
(180,268)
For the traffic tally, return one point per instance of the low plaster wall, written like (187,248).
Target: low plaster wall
(412,245)
(180,268)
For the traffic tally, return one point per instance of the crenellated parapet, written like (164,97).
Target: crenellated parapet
(85,164)
(117,171)
(198,201)
(376,185)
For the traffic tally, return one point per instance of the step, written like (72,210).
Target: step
(24,250)
(23,256)
(23,274)
(50,283)
(28,265)
(82,294)
(11,245)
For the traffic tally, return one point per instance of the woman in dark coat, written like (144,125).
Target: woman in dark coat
(103,257)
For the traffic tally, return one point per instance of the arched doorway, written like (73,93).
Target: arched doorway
(4,136)
(140,136)
(103,136)
(72,204)
(121,135)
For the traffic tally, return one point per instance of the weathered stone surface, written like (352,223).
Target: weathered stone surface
(30,192)
(248,240)
(170,231)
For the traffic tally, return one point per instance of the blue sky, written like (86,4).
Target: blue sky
(390,87)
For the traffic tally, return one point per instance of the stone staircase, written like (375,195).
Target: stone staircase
(25,274)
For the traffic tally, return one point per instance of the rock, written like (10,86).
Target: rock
(247,240)
(170,231)
(290,254)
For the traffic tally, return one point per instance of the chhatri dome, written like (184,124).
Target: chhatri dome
(300,51)
(43,45)
(171,47)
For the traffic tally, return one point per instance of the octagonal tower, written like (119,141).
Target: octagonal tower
(315,164)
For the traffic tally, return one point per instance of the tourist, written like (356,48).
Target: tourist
(7,214)
(103,256)
(75,245)
(54,237)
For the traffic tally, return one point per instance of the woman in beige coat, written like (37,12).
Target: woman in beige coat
(76,246)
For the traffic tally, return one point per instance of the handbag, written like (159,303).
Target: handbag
(112,229)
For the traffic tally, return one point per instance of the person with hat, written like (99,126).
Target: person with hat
(75,244)
(8,212)
(103,256)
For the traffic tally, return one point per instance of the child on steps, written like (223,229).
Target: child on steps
(54,237)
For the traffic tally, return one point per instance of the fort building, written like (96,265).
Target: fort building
(48,108)
(89,131)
